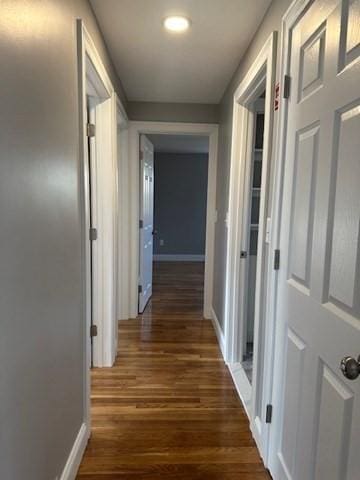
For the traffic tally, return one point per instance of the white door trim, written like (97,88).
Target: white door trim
(93,75)
(123,244)
(262,72)
(210,130)
(289,20)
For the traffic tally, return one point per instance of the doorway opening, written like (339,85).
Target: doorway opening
(253,193)
(191,132)
(249,345)
(173,205)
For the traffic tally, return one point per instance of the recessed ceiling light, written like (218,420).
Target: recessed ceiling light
(176,24)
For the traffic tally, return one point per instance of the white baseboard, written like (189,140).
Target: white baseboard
(179,258)
(242,385)
(76,454)
(219,332)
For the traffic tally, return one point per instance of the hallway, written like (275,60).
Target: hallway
(168,409)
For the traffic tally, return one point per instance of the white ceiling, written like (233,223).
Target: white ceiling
(195,67)
(179,143)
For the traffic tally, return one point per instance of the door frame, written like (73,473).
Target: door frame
(123,213)
(262,72)
(289,20)
(136,129)
(93,76)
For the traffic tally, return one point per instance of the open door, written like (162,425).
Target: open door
(146,220)
(318,287)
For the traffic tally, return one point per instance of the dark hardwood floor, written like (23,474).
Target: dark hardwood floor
(168,409)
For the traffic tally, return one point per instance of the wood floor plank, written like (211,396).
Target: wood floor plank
(168,409)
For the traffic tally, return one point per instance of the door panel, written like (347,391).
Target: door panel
(312,63)
(336,403)
(343,287)
(350,32)
(293,387)
(147,219)
(303,204)
(319,284)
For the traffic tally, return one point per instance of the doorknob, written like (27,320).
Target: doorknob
(350,367)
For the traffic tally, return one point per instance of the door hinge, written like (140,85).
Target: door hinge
(141,223)
(90,130)
(93,331)
(268,416)
(140,288)
(287,82)
(93,235)
(276,259)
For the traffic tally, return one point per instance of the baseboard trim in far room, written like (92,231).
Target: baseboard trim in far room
(76,454)
(178,258)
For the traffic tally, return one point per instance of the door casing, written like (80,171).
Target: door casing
(135,130)
(262,72)
(95,82)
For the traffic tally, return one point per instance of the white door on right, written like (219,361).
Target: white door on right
(319,278)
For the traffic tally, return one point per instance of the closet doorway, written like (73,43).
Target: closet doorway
(252,233)
(249,328)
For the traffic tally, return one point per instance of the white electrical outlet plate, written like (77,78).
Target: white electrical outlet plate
(161,243)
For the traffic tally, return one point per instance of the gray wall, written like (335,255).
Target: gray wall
(180,203)
(271,22)
(41,340)
(173,112)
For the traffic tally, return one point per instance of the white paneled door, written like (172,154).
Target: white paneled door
(319,278)
(146,224)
